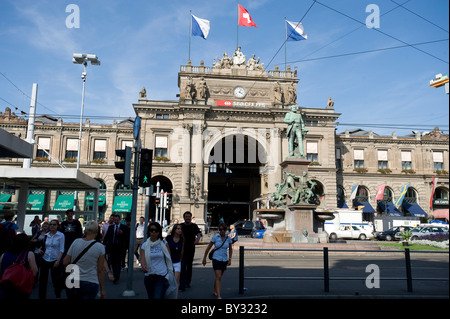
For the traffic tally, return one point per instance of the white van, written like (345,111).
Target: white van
(347,217)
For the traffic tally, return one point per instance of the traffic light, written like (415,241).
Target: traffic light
(145,167)
(125,165)
(169,200)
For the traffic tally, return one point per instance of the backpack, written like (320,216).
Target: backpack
(7,234)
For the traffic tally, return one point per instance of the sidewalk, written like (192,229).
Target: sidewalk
(203,276)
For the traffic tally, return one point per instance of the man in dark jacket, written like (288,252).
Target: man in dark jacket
(115,243)
(192,235)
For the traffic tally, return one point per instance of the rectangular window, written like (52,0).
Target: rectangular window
(311,152)
(406,160)
(382,159)
(72,148)
(43,144)
(338,158)
(438,161)
(161,146)
(99,149)
(358,156)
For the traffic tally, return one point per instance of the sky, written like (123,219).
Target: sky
(144,43)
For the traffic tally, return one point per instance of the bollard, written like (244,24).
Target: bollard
(408,270)
(241,270)
(326,271)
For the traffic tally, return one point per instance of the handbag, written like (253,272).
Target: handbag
(211,253)
(18,277)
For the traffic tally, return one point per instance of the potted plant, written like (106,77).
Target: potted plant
(406,235)
(70,160)
(42,159)
(314,164)
(408,171)
(98,161)
(385,170)
(361,170)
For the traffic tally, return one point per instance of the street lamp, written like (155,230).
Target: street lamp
(81,58)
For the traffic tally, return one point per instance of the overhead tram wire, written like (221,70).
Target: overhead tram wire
(366,51)
(26,95)
(384,33)
(418,15)
(347,34)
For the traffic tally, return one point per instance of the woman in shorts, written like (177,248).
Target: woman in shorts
(223,252)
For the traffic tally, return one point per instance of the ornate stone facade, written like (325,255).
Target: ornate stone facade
(219,146)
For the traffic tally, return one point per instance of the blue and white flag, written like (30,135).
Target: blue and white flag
(402,195)
(200,27)
(295,31)
(354,192)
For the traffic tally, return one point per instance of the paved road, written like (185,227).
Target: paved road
(304,264)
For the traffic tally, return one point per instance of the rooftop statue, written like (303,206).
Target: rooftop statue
(238,57)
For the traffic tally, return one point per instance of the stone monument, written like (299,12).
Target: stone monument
(294,218)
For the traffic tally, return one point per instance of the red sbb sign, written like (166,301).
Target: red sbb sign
(224,103)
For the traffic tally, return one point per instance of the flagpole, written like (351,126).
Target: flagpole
(285,44)
(190,33)
(237,27)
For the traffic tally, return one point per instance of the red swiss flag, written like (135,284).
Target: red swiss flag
(244,18)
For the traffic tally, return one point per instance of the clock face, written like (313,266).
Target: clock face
(239,92)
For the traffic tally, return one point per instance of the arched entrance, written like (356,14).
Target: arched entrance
(234,178)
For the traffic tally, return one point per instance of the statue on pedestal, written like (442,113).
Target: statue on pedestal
(295,132)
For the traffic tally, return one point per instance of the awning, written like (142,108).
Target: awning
(390,209)
(122,204)
(367,208)
(64,202)
(441,213)
(101,200)
(4,198)
(342,204)
(36,201)
(414,209)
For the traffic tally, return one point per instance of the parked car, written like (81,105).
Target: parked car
(258,233)
(391,233)
(350,232)
(419,232)
(247,228)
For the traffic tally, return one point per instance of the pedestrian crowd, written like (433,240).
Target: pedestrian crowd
(78,257)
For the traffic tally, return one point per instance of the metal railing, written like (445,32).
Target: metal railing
(326,270)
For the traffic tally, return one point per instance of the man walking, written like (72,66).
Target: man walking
(114,243)
(192,236)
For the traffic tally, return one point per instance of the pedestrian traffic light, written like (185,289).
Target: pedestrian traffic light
(157,201)
(125,165)
(145,167)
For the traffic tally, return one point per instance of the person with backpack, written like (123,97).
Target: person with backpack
(17,253)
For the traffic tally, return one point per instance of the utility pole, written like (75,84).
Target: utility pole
(30,131)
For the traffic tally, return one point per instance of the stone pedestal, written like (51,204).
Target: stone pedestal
(295,166)
(301,222)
